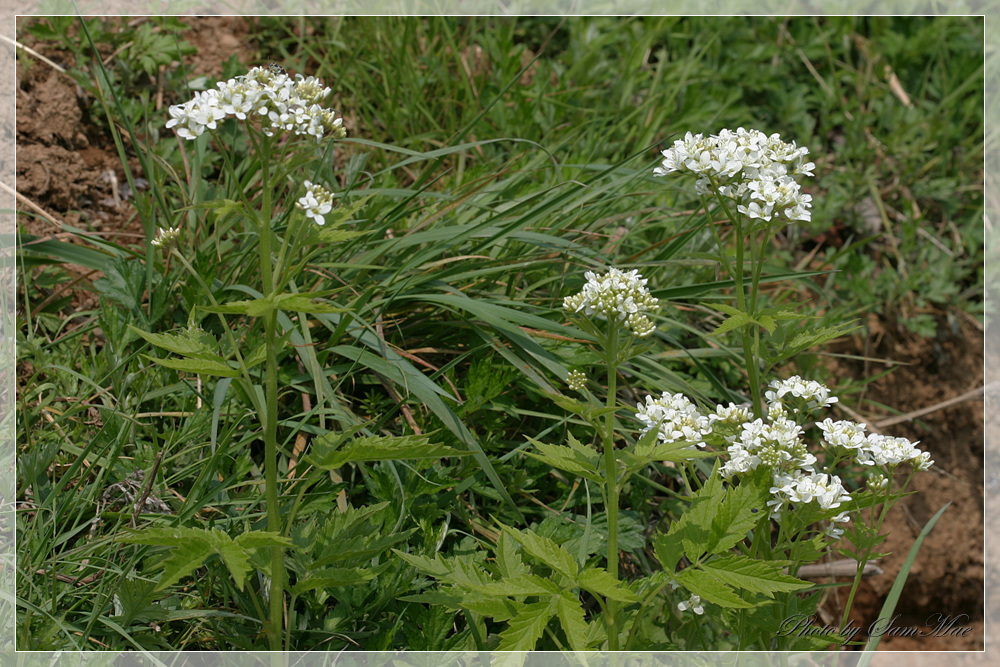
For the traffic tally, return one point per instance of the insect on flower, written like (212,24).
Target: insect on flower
(276,68)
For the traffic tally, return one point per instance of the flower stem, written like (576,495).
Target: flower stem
(270,417)
(611,478)
(746,331)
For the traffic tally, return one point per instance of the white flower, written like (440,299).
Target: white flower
(827,491)
(878,482)
(753,169)
(844,434)
(576,380)
(811,394)
(165,238)
(617,296)
(693,603)
(317,202)
(833,530)
(284,103)
(675,417)
(886,451)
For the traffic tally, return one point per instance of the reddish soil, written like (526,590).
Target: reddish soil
(68,167)
(948,575)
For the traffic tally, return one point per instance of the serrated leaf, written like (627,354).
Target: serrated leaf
(235,557)
(545,550)
(334,577)
(385,448)
(164,536)
(524,630)
(359,547)
(735,515)
(509,561)
(251,307)
(183,560)
(710,589)
(258,539)
(437,567)
(756,576)
(732,322)
(335,235)
(668,549)
(587,411)
(191,546)
(197,366)
(305,304)
(568,459)
(525,584)
(600,582)
(184,343)
(570,613)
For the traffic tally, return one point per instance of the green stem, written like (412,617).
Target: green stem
(746,332)
(270,416)
(864,554)
(611,477)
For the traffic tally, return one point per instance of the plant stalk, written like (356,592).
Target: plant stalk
(611,476)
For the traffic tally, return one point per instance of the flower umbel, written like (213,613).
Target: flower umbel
(283,103)
(617,296)
(576,380)
(316,202)
(166,238)
(751,168)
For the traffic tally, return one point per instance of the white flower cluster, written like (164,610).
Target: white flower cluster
(316,202)
(753,169)
(777,442)
(283,104)
(618,296)
(873,449)
(797,394)
(675,417)
(805,487)
(166,238)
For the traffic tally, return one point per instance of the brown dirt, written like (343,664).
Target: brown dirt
(68,166)
(947,577)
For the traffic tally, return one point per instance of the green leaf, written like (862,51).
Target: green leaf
(304,304)
(576,461)
(524,630)
(735,515)
(191,546)
(437,567)
(224,206)
(710,589)
(359,547)
(509,561)
(251,307)
(590,412)
(756,576)
(545,550)
(668,549)
(258,539)
(334,577)
(235,557)
(525,584)
(197,366)
(570,612)
(600,582)
(184,342)
(335,235)
(385,448)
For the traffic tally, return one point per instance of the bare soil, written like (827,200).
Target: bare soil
(68,169)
